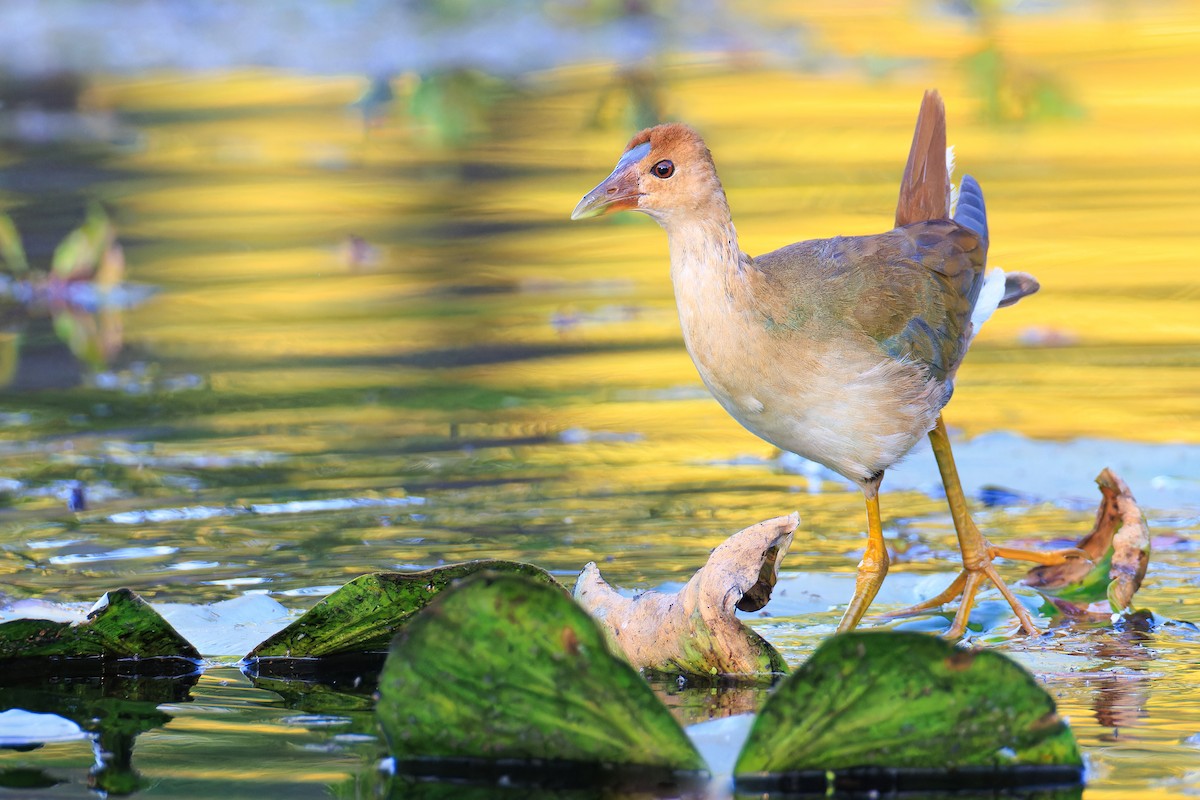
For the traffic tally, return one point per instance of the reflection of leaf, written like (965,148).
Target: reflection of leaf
(405,787)
(129,705)
(911,711)
(25,778)
(505,669)
(364,615)
(694,702)
(1119,546)
(123,628)
(81,332)
(326,697)
(696,631)
(116,709)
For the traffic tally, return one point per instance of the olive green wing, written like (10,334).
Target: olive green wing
(910,290)
(929,280)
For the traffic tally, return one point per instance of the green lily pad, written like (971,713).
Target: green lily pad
(364,615)
(504,673)
(901,711)
(122,628)
(1090,588)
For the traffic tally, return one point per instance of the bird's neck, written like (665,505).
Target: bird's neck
(705,256)
(710,277)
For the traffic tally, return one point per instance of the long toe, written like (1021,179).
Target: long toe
(964,589)
(947,595)
(1047,558)
(1017,607)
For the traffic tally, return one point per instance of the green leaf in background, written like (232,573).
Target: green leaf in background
(82,251)
(10,353)
(502,670)
(450,107)
(122,627)
(364,615)
(11,250)
(74,257)
(909,711)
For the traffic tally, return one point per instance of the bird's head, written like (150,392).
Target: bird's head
(666,172)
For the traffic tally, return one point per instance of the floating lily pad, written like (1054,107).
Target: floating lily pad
(896,711)
(1119,549)
(506,675)
(363,616)
(122,632)
(696,631)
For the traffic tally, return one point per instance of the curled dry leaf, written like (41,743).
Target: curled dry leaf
(1119,549)
(696,630)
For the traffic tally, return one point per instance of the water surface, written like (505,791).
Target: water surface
(371,347)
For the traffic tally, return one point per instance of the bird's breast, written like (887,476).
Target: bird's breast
(826,394)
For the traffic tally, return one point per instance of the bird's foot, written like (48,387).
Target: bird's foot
(967,584)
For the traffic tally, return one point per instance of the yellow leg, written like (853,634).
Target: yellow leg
(873,567)
(977,552)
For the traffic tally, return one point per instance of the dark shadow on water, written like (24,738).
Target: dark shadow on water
(114,710)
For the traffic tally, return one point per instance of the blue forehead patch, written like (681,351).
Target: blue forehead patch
(633,154)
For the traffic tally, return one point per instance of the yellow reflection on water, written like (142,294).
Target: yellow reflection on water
(1099,204)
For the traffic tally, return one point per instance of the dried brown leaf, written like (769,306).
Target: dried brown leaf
(1119,538)
(696,630)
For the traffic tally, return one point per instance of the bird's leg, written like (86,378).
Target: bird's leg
(977,552)
(874,565)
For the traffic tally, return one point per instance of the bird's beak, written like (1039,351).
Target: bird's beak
(617,192)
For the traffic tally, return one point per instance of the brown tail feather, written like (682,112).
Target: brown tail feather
(925,187)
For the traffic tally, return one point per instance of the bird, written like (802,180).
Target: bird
(843,350)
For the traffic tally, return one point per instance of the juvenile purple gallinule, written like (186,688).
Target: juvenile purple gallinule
(841,350)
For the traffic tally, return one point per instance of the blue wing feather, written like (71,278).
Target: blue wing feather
(971,212)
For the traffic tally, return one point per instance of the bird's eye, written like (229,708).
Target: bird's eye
(664,169)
